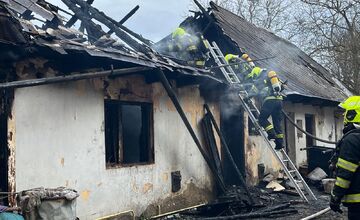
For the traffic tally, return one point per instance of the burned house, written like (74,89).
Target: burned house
(312,93)
(120,123)
(96,117)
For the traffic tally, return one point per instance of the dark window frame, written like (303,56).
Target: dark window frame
(114,127)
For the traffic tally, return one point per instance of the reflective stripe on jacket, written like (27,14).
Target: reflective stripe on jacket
(347,185)
(264,88)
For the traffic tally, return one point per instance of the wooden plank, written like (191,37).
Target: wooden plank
(120,30)
(73,77)
(127,16)
(228,153)
(28,26)
(74,18)
(32,6)
(17,7)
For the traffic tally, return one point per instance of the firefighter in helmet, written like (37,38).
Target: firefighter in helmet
(267,85)
(242,66)
(188,48)
(347,171)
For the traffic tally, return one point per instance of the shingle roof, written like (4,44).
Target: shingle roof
(305,76)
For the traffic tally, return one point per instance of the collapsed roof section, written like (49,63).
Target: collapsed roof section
(56,39)
(306,78)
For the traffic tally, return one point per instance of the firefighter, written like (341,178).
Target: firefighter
(347,173)
(267,85)
(243,67)
(188,48)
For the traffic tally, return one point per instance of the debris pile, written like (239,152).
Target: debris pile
(232,205)
(268,204)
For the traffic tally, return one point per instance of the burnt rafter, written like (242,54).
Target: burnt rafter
(206,14)
(74,77)
(122,32)
(74,18)
(108,21)
(126,17)
(94,30)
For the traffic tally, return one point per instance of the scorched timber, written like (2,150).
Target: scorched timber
(74,77)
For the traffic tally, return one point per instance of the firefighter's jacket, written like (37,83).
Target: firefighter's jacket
(242,69)
(188,48)
(347,185)
(262,87)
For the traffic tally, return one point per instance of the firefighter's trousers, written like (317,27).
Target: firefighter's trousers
(273,108)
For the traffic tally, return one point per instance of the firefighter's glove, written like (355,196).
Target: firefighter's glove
(335,203)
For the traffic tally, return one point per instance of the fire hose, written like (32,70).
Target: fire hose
(317,214)
(305,132)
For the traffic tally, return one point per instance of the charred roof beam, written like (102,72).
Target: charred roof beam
(206,14)
(74,77)
(21,6)
(118,25)
(74,18)
(125,18)
(94,30)
(109,22)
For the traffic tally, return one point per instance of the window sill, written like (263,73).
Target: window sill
(117,166)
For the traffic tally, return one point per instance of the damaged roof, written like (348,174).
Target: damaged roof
(305,76)
(57,36)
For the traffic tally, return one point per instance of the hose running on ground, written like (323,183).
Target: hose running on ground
(305,132)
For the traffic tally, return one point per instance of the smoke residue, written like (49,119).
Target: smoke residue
(178,47)
(230,103)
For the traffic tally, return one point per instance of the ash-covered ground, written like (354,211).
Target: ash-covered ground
(268,205)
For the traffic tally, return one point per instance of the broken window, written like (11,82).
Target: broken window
(128,133)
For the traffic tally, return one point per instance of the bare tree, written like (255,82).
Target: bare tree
(347,57)
(331,34)
(274,15)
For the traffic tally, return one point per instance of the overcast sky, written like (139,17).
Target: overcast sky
(154,20)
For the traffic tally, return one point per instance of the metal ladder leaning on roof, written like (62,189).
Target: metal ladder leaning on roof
(288,166)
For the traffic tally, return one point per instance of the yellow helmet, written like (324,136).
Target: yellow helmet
(271,74)
(230,56)
(352,109)
(178,32)
(245,57)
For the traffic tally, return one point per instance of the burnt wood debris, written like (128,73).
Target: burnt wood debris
(56,37)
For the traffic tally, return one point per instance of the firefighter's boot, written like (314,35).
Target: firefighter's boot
(270,132)
(279,143)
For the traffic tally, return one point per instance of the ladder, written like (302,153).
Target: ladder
(288,166)
(218,56)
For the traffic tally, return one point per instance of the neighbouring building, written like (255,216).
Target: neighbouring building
(312,93)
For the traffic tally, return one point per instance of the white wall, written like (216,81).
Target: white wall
(59,132)
(256,151)
(327,127)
